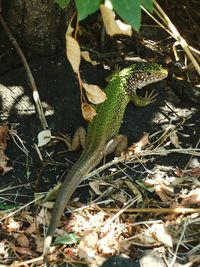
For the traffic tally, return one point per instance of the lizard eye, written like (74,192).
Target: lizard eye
(148,73)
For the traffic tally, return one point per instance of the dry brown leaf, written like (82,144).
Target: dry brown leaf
(39,243)
(113,26)
(137,147)
(3,163)
(27,216)
(192,198)
(164,192)
(88,111)
(94,93)
(25,251)
(23,241)
(11,224)
(31,229)
(86,56)
(4,130)
(195,172)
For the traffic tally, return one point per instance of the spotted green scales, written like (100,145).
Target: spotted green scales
(104,127)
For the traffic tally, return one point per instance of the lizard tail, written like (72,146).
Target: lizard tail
(80,169)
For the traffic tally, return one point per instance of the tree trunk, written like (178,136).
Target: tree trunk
(38,25)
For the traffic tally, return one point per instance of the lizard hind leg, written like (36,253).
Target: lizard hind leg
(117,145)
(78,139)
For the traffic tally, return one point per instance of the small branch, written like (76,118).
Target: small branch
(28,72)
(155,210)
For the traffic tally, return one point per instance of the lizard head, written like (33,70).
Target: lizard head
(142,73)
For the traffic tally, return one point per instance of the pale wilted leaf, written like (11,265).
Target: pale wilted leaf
(193,197)
(85,55)
(88,111)
(111,25)
(155,233)
(94,93)
(88,244)
(175,140)
(44,137)
(43,217)
(160,232)
(73,52)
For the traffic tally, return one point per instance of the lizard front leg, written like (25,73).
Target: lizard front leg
(117,145)
(140,101)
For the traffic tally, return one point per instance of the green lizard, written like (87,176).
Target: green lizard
(103,128)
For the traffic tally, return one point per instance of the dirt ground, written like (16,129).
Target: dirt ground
(59,92)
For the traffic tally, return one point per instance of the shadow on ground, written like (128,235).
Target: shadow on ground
(59,92)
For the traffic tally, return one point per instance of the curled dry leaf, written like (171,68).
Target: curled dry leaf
(113,26)
(31,229)
(88,111)
(94,93)
(86,56)
(23,241)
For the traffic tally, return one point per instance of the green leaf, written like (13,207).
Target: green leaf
(62,3)
(148,4)
(68,239)
(8,206)
(86,7)
(129,11)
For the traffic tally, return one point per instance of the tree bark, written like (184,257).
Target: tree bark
(38,25)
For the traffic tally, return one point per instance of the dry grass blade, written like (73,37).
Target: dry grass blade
(172,30)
